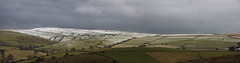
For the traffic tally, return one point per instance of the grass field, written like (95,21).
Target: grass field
(172,57)
(137,55)
(134,54)
(79,44)
(19,54)
(84,58)
(162,55)
(189,41)
(131,57)
(137,42)
(145,49)
(8,38)
(58,56)
(13,41)
(203,44)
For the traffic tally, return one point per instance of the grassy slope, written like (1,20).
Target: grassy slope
(204,41)
(58,56)
(137,42)
(141,40)
(78,44)
(9,38)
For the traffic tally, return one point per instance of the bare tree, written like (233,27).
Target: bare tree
(3,54)
(10,57)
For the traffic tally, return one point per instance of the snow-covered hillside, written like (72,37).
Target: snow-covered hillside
(66,34)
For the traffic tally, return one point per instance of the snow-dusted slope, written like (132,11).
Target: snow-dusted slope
(65,34)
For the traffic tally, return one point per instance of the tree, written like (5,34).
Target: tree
(83,49)
(66,50)
(73,49)
(114,61)
(231,48)
(90,47)
(53,57)
(40,59)
(29,56)
(66,55)
(10,57)
(35,52)
(184,48)
(3,55)
(217,49)
(238,44)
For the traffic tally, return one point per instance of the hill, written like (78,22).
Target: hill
(21,46)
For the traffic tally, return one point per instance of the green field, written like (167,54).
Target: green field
(202,44)
(84,58)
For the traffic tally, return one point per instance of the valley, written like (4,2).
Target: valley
(60,45)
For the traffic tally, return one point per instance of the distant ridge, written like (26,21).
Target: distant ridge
(66,34)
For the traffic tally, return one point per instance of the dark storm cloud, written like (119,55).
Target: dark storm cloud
(152,16)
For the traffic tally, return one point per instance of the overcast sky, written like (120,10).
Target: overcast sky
(150,16)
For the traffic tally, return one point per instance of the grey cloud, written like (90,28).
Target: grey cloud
(151,16)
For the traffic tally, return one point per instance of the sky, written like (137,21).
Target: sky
(148,16)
